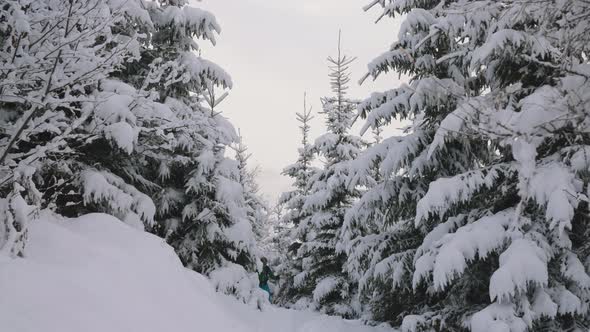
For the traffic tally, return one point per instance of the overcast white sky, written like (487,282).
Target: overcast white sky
(275,50)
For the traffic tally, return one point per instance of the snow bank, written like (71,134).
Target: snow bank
(97,274)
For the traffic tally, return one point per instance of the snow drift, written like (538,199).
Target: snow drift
(97,274)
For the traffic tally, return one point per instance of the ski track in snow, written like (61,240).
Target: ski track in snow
(97,274)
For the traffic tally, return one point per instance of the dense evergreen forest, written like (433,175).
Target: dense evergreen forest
(475,218)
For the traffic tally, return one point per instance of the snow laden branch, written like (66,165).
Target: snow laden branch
(53,54)
(487,190)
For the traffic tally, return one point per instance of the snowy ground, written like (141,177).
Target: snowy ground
(96,274)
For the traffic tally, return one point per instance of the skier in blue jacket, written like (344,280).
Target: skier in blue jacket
(265,275)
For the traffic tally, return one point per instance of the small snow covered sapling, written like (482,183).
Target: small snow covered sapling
(323,279)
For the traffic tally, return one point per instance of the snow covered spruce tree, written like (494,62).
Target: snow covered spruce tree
(301,171)
(478,218)
(323,284)
(536,113)
(214,229)
(182,160)
(292,204)
(257,209)
(381,237)
(55,55)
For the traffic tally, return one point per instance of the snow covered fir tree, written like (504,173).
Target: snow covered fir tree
(478,220)
(138,137)
(57,60)
(257,209)
(323,283)
(454,198)
(292,202)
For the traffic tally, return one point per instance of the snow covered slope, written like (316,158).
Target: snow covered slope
(96,274)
